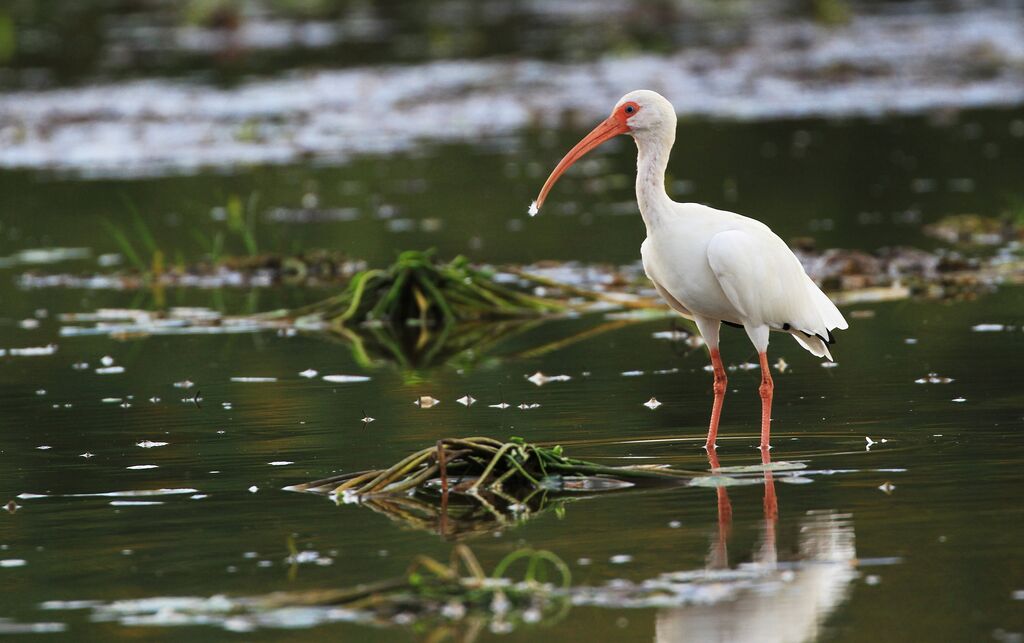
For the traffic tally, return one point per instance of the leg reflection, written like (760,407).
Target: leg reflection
(769,552)
(718,557)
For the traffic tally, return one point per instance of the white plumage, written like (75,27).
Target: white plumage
(710,265)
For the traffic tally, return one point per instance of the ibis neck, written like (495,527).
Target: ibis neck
(652,161)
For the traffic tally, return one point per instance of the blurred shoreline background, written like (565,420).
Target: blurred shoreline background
(154,87)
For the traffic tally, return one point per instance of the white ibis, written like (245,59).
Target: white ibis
(710,265)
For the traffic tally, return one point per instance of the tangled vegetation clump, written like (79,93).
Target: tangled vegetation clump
(418,290)
(482,464)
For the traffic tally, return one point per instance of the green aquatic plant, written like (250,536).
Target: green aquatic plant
(417,290)
(143,236)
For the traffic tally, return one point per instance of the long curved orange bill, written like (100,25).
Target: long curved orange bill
(609,128)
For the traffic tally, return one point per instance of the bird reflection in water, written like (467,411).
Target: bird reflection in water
(766,600)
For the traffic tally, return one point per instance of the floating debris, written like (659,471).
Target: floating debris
(830,364)
(870,443)
(44,256)
(346,379)
(499,405)
(87,455)
(184,384)
(887,487)
(989,328)
(280,463)
(652,403)
(254,380)
(973,229)
(140,467)
(133,323)
(245,272)
(113,494)
(150,444)
(466,400)
(308,557)
(632,373)
(32,351)
(253,489)
(426,402)
(110,370)
(309,373)
(674,335)
(934,378)
(528,406)
(781,365)
(540,379)
(620,559)
(13,562)
(959,399)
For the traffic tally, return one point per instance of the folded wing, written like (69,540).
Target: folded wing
(765,282)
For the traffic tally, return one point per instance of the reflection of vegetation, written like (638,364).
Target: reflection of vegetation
(463,517)
(455,598)
(457,601)
(408,347)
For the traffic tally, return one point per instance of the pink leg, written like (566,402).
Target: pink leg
(766,389)
(716,409)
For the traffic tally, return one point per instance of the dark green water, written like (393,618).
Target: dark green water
(940,555)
